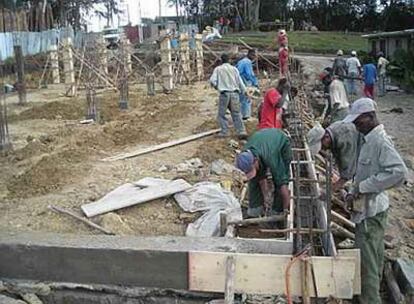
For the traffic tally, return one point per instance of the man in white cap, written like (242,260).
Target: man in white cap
(379,168)
(343,140)
(353,67)
(339,65)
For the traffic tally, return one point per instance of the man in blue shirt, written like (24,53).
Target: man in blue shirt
(370,77)
(245,67)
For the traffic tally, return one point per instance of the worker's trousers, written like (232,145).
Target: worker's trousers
(381,85)
(256,200)
(352,84)
(369,238)
(246,106)
(230,100)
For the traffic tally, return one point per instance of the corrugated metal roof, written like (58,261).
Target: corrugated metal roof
(390,34)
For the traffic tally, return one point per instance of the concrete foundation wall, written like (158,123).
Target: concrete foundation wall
(160,262)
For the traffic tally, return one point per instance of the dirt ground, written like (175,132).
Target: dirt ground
(57,161)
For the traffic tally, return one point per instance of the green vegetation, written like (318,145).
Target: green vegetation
(312,42)
(402,68)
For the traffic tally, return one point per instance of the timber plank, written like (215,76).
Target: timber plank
(132,197)
(161,146)
(265,274)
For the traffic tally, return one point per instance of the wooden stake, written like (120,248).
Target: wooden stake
(21,83)
(80,218)
(229,284)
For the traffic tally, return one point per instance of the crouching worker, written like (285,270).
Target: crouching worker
(266,155)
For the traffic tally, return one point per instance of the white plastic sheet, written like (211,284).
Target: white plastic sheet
(211,198)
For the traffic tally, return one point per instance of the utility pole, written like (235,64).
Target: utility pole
(159,8)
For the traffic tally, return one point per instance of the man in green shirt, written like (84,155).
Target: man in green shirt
(267,152)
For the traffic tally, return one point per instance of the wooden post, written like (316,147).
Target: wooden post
(199,57)
(21,84)
(185,56)
(54,64)
(5,144)
(166,61)
(68,67)
(229,284)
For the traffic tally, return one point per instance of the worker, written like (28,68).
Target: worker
(379,168)
(353,66)
(337,104)
(283,61)
(343,140)
(245,67)
(339,65)
(282,38)
(370,77)
(267,155)
(272,108)
(382,71)
(226,79)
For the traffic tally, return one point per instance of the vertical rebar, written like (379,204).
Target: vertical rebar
(329,198)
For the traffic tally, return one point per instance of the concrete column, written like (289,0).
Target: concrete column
(103,53)
(68,67)
(54,64)
(128,54)
(185,55)
(199,56)
(167,68)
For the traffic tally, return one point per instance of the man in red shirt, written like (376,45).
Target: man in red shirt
(283,61)
(271,110)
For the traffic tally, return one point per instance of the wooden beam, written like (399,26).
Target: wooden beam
(142,196)
(161,146)
(259,220)
(263,274)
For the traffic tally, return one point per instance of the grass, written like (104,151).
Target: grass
(312,42)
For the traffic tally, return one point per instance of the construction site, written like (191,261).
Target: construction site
(115,187)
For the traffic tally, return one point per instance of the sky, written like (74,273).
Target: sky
(149,8)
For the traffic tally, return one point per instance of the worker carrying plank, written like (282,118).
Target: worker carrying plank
(226,79)
(267,151)
(344,141)
(379,168)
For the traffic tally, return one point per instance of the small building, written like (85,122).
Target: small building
(389,42)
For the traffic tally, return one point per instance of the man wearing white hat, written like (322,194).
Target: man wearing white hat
(344,141)
(353,66)
(379,168)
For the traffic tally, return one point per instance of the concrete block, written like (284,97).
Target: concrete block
(404,273)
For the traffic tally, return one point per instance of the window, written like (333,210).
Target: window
(397,43)
(374,46)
